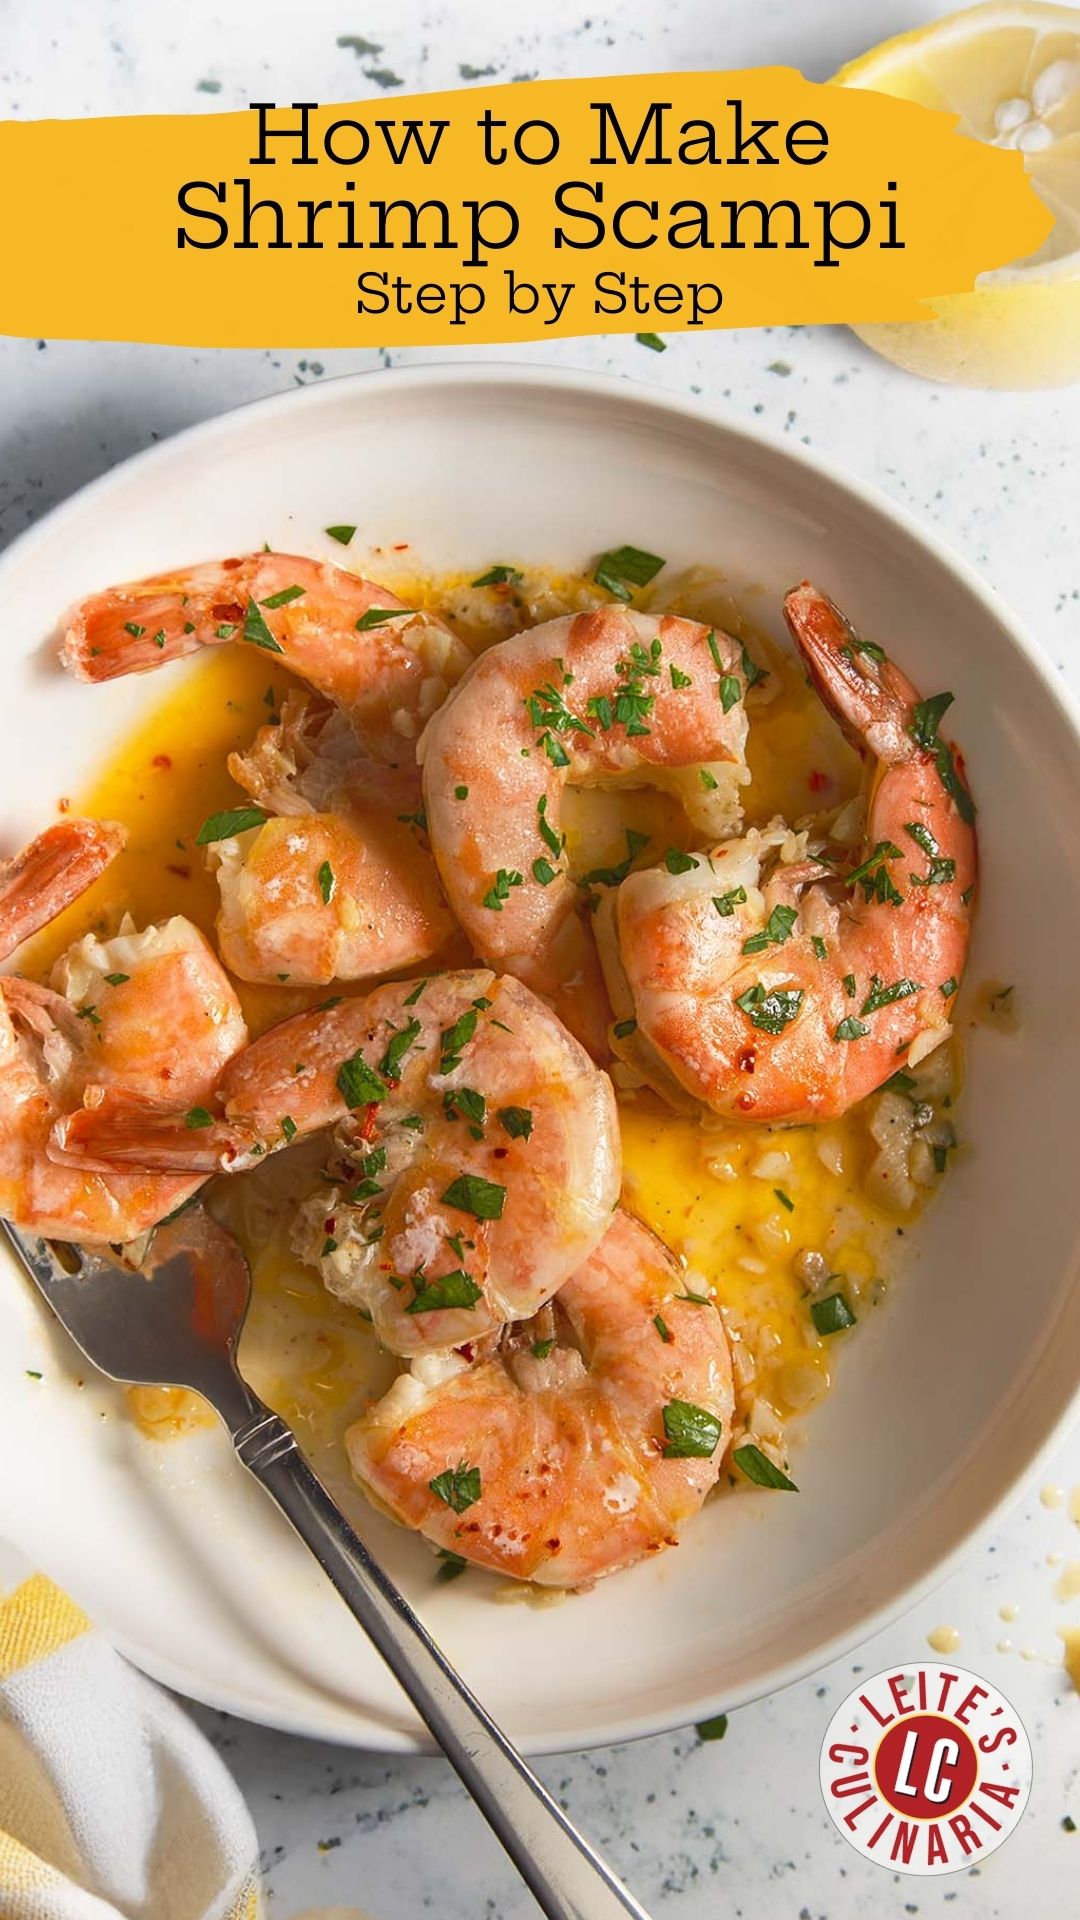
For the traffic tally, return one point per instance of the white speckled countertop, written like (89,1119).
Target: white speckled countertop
(736,1827)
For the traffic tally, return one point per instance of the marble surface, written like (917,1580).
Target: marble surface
(735,1827)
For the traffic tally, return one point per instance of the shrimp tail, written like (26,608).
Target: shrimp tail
(868,697)
(122,1129)
(50,873)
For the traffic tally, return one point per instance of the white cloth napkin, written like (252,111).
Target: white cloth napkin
(113,1806)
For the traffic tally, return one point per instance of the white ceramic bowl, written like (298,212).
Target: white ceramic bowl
(944,1400)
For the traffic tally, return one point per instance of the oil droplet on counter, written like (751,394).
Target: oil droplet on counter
(1009,1611)
(1054,1559)
(1074,1505)
(1068,1585)
(1004,1646)
(944,1639)
(1029,1653)
(1071,1637)
(1052,1496)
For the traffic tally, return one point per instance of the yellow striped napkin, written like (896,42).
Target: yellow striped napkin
(113,1806)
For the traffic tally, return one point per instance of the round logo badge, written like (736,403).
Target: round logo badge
(926,1769)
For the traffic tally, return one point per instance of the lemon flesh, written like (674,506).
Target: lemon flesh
(1012,73)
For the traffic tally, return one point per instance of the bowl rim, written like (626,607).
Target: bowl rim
(526,376)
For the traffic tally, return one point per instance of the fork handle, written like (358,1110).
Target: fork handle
(566,1877)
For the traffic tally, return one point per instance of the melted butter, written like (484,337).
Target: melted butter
(314,1359)
(943,1639)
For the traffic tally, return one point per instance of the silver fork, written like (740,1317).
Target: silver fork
(179,1326)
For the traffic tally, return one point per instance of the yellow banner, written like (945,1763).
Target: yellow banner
(642,204)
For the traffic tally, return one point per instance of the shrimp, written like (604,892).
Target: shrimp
(387,674)
(478,1164)
(152,1012)
(567,1457)
(609,698)
(50,873)
(338,886)
(791,995)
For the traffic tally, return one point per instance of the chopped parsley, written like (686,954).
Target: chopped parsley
(622,570)
(759,1468)
(614,876)
(458,1487)
(678,862)
(378,617)
(456,1289)
(232,820)
(784,1199)
(652,341)
(484,1199)
(679,679)
(663,1329)
(726,903)
(133,627)
(327,882)
(466,1104)
(851,1029)
(773,1011)
(778,928)
(197,1118)
(543,872)
(541,1348)
(925,721)
(358,1084)
(516,1121)
(831,1315)
(116,979)
(690,1433)
(90,1013)
(411,999)
(257,631)
(873,875)
(939,870)
(821,951)
(882,996)
(624,1028)
(288,1126)
(401,1039)
(713,1729)
(730,691)
(283,598)
(341,534)
(499,576)
(499,891)
(454,1039)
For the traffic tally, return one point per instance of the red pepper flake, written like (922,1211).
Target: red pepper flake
(401,546)
(500,1153)
(230,566)
(328,1225)
(747,1060)
(162,760)
(818,781)
(182,873)
(227,611)
(63,805)
(370,1122)
(745,1101)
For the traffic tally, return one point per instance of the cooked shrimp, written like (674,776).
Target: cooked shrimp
(152,1012)
(569,1456)
(322,623)
(50,873)
(480,1157)
(792,995)
(607,698)
(339,887)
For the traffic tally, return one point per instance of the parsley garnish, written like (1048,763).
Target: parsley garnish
(873,876)
(759,1468)
(726,903)
(458,1487)
(831,1315)
(197,1117)
(257,631)
(880,996)
(233,820)
(516,1121)
(925,721)
(851,1029)
(484,1199)
(401,1039)
(678,862)
(770,1012)
(358,1084)
(690,1433)
(499,576)
(614,876)
(454,1038)
(624,569)
(778,928)
(327,883)
(500,890)
(940,870)
(116,979)
(378,617)
(283,598)
(341,534)
(456,1289)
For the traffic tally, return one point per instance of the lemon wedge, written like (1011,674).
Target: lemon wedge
(1012,73)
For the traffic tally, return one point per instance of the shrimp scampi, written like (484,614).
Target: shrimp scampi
(608,698)
(787,994)
(580,1445)
(478,1148)
(150,1012)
